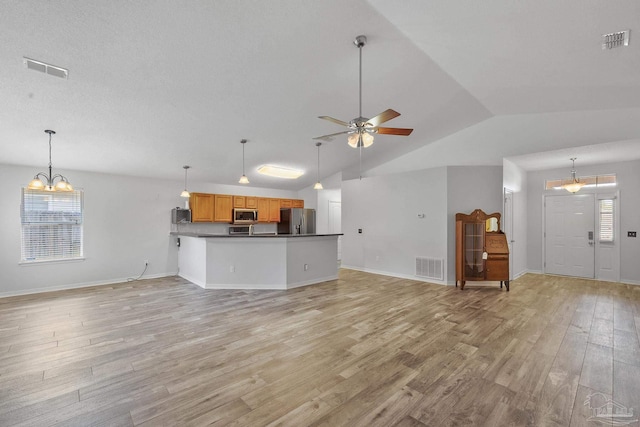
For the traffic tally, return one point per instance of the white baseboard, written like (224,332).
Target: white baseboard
(398,275)
(81,285)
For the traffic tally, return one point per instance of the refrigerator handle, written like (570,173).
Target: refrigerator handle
(303,226)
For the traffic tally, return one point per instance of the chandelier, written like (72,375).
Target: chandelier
(574,185)
(44,182)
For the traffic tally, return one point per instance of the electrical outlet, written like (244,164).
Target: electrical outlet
(232,269)
(306,267)
(631,234)
(146,262)
(359,230)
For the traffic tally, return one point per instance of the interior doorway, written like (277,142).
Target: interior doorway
(507,227)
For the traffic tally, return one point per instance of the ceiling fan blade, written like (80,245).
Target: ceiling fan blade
(385,116)
(331,119)
(395,131)
(328,137)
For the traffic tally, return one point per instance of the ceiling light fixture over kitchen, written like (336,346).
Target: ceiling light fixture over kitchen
(574,185)
(50,184)
(243,178)
(280,172)
(318,185)
(185,193)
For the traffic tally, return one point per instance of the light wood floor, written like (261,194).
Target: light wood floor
(360,351)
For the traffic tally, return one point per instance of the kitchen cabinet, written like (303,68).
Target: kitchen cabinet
(297,204)
(202,205)
(274,210)
(263,209)
(239,202)
(482,253)
(286,203)
(251,202)
(223,211)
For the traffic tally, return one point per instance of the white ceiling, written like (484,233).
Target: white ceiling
(154,85)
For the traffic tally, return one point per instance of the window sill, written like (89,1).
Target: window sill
(51,261)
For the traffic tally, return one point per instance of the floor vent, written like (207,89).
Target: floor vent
(43,67)
(430,268)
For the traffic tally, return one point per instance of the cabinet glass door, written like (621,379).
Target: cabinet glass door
(473,249)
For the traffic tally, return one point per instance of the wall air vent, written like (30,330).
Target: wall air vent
(619,39)
(43,67)
(430,268)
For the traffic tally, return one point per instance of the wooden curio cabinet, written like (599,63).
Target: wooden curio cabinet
(481,249)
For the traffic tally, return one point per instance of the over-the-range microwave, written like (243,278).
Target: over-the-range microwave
(245,216)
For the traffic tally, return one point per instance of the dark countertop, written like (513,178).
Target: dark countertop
(259,235)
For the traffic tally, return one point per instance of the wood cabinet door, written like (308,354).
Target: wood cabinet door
(274,210)
(239,202)
(223,211)
(251,202)
(286,203)
(201,207)
(497,268)
(297,204)
(263,209)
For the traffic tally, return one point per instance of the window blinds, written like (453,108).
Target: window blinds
(606,220)
(51,225)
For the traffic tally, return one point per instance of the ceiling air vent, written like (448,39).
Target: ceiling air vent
(619,39)
(43,67)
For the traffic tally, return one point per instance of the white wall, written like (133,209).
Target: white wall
(470,188)
(127,221)
(628,176)
(515,179)
(319,199)
(386,208)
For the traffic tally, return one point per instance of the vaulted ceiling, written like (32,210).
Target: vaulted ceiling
(154,85)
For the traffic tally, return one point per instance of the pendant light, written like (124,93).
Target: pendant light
(49,183)
(185,193)
(243,178)
(574,185)
(318,185)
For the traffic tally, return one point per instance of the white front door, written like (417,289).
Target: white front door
(569,235)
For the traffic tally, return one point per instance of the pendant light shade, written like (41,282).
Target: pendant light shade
(243,178)
(47,182)
(574,185)
(318,185)
(185,193)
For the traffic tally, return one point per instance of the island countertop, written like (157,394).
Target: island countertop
(268,261)
(235,236)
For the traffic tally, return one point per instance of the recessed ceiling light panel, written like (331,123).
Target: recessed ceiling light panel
(43,67)
(280,172)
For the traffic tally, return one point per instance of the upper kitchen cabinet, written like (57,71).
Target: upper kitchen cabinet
(223,211)
(297,203)
(262,205)
(201,207)
(286,203)
(239,202)
(251,202)
(274,210)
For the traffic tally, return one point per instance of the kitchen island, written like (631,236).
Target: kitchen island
(260,261)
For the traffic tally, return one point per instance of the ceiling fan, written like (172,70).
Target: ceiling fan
(361,129)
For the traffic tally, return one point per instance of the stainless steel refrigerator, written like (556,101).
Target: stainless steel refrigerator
(297,221)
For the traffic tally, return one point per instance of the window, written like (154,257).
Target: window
(51,225)
(606,220)
(598,181)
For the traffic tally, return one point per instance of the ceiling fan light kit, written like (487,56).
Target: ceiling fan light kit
(361,129)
